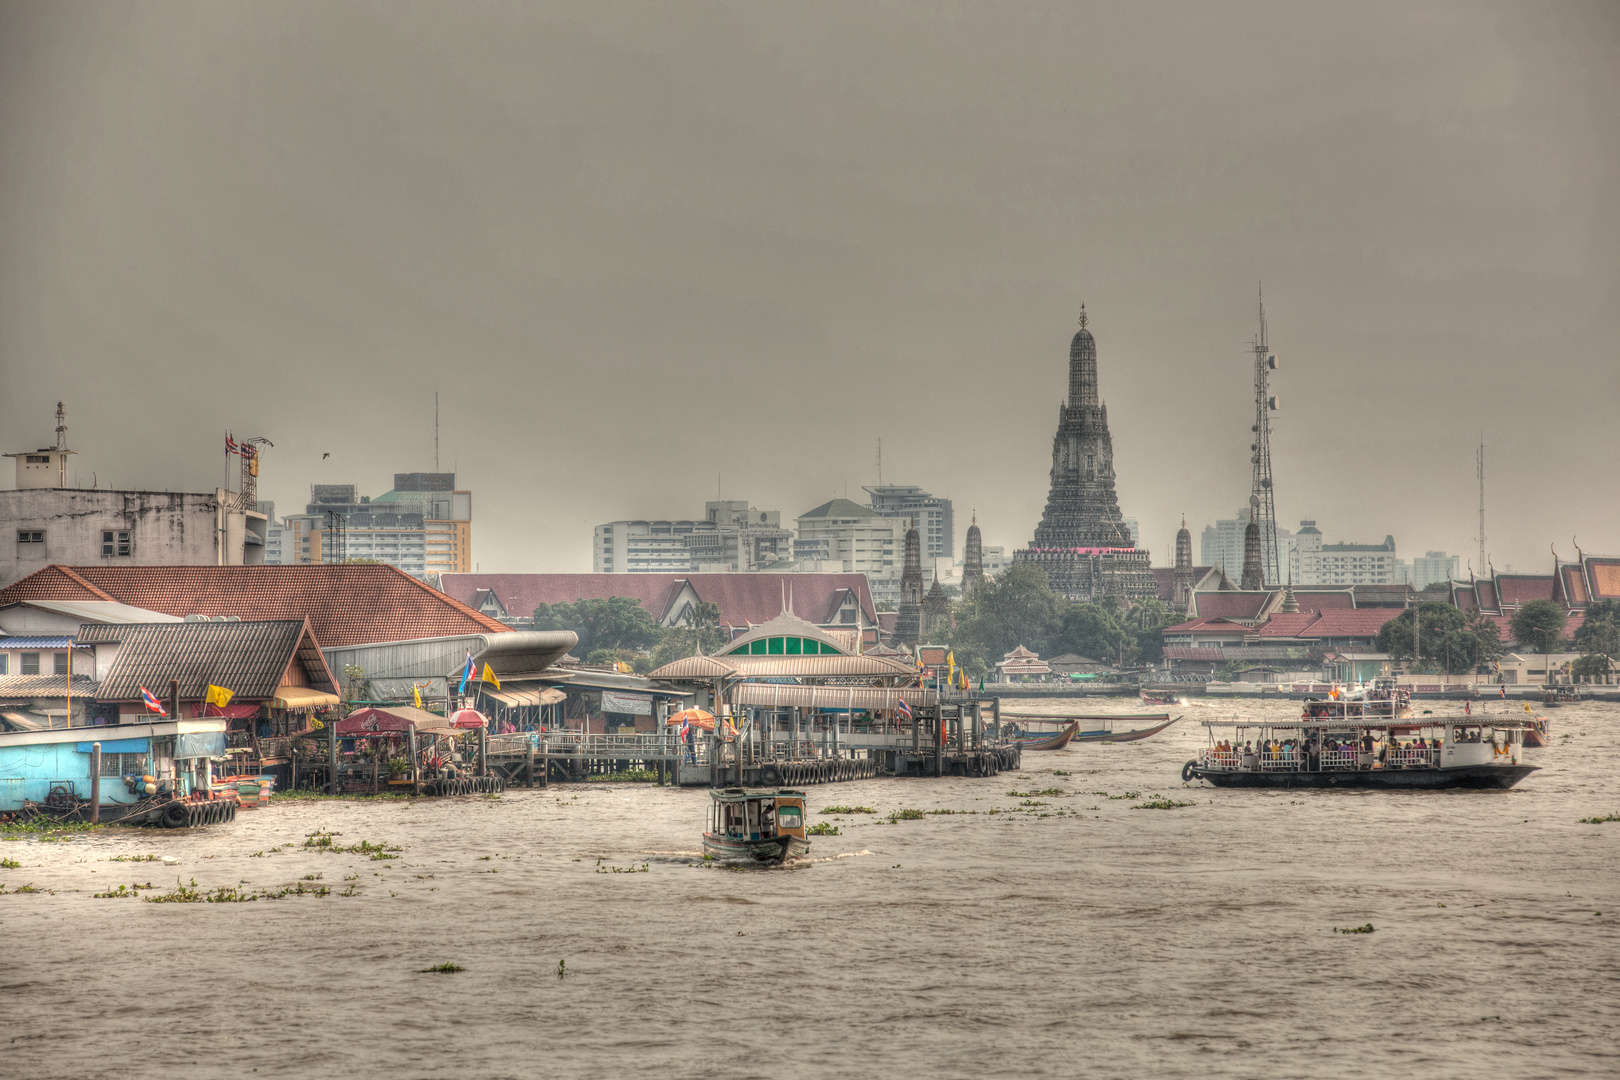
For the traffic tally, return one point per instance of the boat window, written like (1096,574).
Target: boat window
(788,817)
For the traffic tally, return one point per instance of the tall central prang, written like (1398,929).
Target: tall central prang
(1082,541)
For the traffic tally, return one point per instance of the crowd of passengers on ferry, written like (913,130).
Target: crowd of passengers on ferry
(1334,752)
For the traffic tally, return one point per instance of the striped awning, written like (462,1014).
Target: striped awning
(869,698)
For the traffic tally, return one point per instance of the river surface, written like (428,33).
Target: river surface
(1081,937)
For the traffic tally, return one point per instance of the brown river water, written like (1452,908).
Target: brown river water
(1078,938)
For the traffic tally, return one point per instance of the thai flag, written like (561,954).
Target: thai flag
(1504,691)
(467,675)
(231,445)
(152,703)
(903,709)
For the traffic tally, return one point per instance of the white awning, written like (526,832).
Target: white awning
(515,698)
(302,697)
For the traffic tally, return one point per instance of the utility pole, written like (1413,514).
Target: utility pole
(1263,501)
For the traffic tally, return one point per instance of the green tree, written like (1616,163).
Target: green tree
(1435,622)
(1090,630)
(617,622)
(1600,633)
(1592,666)
(1538,625)
(1146,621)
(1016,607)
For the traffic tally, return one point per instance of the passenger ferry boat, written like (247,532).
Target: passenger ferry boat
(1343,747)
(765,826)
(1560,694)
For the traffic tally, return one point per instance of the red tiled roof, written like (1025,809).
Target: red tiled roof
(1521,588)
(1465,598)
(1485,595)
(1189,652)
(1574,581)
(346,603)
(1165,577)
(1325,599)
(1208,623)
(1358,622)
(743,599)
(1231,605)
(1288,623)
(1604,575)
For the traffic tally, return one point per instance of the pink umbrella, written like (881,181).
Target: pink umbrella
(468,718)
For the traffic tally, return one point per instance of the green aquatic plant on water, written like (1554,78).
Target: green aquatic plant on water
(446,968)
(132,858)
(124,891)
(822,828)
(642,869)
(1160,804)
(905,815)
(10,864)
(1051,791)
(1584,821)
(1365,929)
(29,888)
(847,810)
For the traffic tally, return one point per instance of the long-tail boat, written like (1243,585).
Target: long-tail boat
(1056,741)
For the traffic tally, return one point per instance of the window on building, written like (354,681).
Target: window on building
(115,542)
(30,663)
(26,537)
(123,764)
(39,459)
(5,663)
(59,663)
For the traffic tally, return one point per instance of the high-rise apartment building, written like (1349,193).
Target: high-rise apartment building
(859,539)
(1316,563)
(1432,567)
(423,526)
(731,537)
(936,524)
(1221,544)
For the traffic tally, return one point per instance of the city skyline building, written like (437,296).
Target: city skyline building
(842,534)
(934,517)
(422,525)
(731,537)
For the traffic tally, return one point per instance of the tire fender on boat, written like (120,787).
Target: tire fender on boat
(1188,771)
(176,815)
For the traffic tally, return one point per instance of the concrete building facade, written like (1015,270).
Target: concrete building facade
(44,521)
(858,540)
(423,526)
(732,537)
(934,518)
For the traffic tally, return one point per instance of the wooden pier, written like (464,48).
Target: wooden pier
(771,747)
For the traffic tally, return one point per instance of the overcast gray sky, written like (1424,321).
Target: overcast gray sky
(646,252)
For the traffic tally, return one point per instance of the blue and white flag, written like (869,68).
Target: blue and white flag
(468,673)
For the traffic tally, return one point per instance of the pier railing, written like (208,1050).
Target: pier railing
(629,747)
(1410,759)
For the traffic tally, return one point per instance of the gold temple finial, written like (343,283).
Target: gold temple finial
(1082,314)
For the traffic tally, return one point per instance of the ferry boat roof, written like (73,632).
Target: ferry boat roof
(737,794)
(1493,720)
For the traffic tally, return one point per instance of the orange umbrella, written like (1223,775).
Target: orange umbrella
(698,718)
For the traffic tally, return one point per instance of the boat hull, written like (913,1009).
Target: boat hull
(777,849)
(1472,776)
(1123,736)
(1050,742)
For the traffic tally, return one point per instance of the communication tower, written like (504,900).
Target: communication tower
(1262,503)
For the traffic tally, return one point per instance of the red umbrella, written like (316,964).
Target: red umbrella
(468,718)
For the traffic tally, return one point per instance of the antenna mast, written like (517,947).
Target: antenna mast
(1262,500)
(1480,468)
(435,431)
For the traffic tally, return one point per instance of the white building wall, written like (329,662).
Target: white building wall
(164,528)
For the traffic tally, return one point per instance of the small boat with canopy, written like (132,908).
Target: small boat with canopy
(754,824)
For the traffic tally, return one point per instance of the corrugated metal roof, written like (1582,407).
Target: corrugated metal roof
(20,642)
(780,667)
(13,687)
(248,658)
(830,697)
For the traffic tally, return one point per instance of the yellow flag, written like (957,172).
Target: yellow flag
(624,668)
(417,690)
(489,677)
(218,695)
(950,665)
